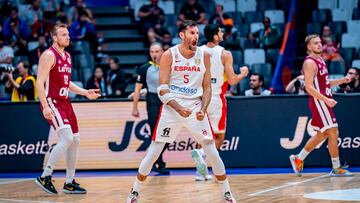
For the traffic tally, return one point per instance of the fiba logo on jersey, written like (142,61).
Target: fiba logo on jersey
(304,124)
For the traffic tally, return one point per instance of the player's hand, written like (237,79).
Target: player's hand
(184,112)
(346,79)
(330,102)
(200,115)
(48,113)
(92,94)
(244,71)
(135,113)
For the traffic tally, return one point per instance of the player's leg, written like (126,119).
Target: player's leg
(337,169)
(219,139)
(70,185)
(218,168)
(65,140)
(166,130)
(153,111)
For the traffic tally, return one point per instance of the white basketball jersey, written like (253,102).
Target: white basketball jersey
(187,74)
(217,68)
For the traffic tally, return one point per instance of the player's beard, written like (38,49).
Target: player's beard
(317,52)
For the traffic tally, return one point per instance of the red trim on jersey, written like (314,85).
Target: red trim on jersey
(212,131)
(222,121)
(157,123)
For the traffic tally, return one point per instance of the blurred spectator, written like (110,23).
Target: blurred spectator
(354,85)
(157,33)
(192,10)
(151,18)
(15,27)
(42,27)
(330,52)
(256,86)
(326,33)
(34,55)
(23,88)
(166,41)
(269,37)
(116,79)
(296,86)
(32,12)
(97,81)
(219,16)
(6,52)
(231,35)
(74,11)
(52,6)
(84,29)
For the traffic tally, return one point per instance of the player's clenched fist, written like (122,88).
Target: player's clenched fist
(184,112)
(244,70)
(200,115)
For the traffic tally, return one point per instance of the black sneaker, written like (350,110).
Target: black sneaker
(46,184)
(73,188)
(162,170)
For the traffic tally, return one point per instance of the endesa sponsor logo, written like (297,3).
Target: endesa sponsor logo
(187,68)
(186,90)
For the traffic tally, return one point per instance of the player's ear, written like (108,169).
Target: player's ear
(182,35)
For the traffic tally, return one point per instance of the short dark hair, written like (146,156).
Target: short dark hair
(115,59)
(211,30)
(357,70)
(261,77)
(184,24)
(25,64)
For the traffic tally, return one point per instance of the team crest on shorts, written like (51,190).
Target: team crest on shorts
(204,132)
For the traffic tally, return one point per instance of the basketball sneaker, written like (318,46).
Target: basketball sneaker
(229,198)
(199,177)
(73,188)
(46,184)
(133,197)
(296,164)
(341,172)
(201,166)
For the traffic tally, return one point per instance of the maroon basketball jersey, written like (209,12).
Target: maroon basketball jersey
(321,79)
(58,81)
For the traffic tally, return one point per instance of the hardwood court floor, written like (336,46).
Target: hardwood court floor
(183,189)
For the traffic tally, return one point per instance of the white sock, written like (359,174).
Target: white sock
(137,185)
(71,159)
(70,175)
(224,185)
(335,162)
(47,171)
(303,154)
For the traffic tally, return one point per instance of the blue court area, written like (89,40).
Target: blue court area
(174,172)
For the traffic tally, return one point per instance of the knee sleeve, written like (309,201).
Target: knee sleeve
(152,154)
(213,156)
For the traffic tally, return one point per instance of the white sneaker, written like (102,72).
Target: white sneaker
(229,198)
(199,177)
(200,163)
(133,197)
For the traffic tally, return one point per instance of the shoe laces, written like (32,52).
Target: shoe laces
(342,169)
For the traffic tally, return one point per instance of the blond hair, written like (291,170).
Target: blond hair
(310,37)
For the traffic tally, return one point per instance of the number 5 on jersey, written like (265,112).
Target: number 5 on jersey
(186,78)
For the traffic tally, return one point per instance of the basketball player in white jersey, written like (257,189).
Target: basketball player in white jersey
(222,74)
(185,90)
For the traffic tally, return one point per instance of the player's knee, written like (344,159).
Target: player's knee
(66,136)
(76,140)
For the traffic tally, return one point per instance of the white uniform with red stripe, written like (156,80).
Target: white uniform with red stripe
(185,84)
(219,85)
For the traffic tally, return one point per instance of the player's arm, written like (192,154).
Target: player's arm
(336,82)
(310,71)
(163,90)
(90,94)
(46,62)
(136,98)
(227,61)
(206,84)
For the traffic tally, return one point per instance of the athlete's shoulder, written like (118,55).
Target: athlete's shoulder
(48,54)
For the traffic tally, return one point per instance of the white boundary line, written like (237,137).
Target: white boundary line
(288,185)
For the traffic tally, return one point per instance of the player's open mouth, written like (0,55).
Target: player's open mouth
(194,43)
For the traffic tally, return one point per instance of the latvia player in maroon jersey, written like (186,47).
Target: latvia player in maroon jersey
(321,102)
(54,85)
